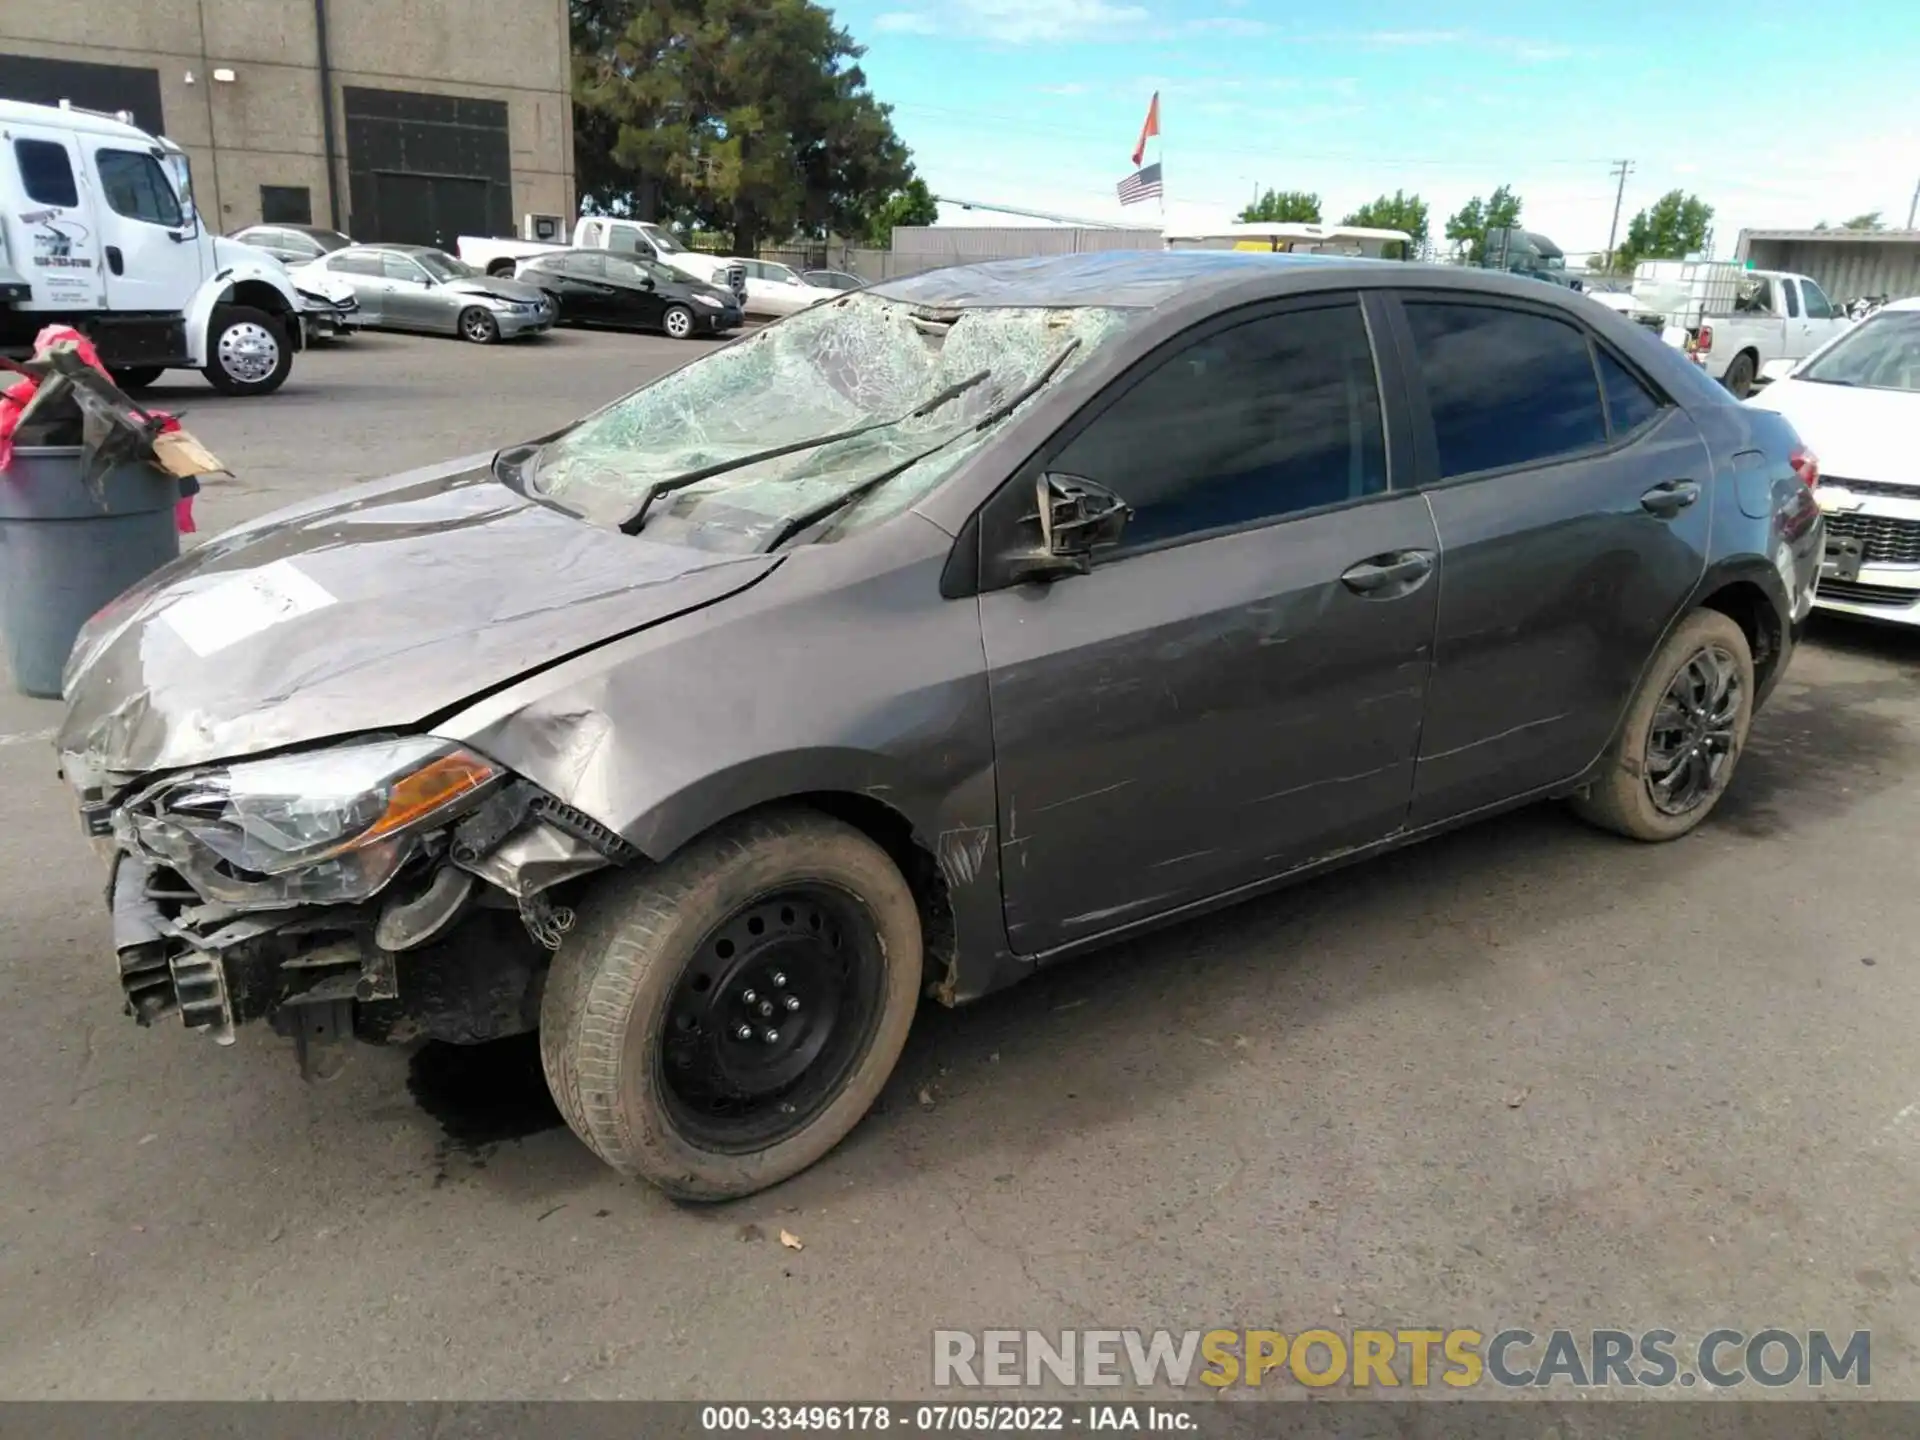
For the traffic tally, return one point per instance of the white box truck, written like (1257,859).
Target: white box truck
(98,231)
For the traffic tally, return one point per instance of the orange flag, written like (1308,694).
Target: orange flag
(1148,130)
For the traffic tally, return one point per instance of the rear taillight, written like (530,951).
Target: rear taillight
(1806,465)
(1703,342)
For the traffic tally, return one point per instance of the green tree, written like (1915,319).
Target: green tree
(1467,227)
(1398,211)
(912,204)
(1671,228)
(1869,221)
(1279,207)
(750,117)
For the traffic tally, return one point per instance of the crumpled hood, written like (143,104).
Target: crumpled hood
(375,608)
(1859,434)
(501,286)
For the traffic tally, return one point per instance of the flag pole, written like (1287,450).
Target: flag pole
(1160,147)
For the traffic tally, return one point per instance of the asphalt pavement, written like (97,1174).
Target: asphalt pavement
(1524,1075)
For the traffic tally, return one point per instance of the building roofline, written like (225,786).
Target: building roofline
(1847,237)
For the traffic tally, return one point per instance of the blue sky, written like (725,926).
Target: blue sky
(1777,114)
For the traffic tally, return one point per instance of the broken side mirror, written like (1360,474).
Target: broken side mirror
(1074,516)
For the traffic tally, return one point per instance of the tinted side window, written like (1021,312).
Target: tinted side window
(1505,387)
(356,262)
(1818,306)
(1790,293)
(399,267)
(586,266)
(137,187)
(46,172)
(1630,404)
(1275,415)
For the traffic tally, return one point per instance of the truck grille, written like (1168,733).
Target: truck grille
(1852,592)
(1883,539)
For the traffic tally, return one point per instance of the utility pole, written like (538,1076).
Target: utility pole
(1621,168)
(1913,205)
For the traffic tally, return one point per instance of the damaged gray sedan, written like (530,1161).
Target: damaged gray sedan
(934,634)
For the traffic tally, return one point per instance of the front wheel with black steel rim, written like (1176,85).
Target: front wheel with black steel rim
(1683,734)
(478,325)
(677,322)
(718,1022)
(247,351)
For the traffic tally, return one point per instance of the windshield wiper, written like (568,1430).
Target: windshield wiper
(638,516)
(807,519)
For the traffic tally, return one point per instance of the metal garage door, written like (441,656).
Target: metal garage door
(426,169)
(39,80)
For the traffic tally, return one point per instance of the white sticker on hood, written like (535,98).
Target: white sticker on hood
(223,614)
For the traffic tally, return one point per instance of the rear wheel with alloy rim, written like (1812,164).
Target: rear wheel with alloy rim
(247,351)
(1682,738)
(678,322)
(479,326)
(719,1022)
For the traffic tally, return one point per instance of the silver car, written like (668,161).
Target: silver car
(415,287)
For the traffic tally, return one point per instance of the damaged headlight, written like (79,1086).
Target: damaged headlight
(319,828)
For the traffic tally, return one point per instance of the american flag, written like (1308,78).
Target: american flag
(1143,184)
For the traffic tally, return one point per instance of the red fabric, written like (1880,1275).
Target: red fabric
(1151,128)
(14,398)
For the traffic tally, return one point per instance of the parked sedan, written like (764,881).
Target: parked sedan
(293,244)
(774,289)
(415,287)
(832,280)
(912,644)
(1857,403)
(592,287)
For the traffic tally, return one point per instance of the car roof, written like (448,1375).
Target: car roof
(1129,278)
(1912,302)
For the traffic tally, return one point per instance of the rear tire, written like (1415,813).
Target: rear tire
(137,377)
(478,326)
(247,351)
(1696,704)
(678,322)
(1740,376)
(657,1060)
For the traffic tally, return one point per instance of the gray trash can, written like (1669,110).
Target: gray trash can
(63,554)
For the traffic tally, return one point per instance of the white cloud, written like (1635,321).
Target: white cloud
(1071,87)
(1234,25)
(905,22)
(1020,22)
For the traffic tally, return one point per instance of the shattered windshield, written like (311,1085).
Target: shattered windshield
(915,384)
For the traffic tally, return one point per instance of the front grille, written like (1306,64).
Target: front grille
(1873,487)
(1852,592)
(737,279)
(1884,540)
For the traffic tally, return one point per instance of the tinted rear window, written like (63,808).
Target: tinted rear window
(45,172)
(1506,387)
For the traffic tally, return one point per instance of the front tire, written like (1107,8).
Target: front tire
(478,325)
(678,322)
(1682,738)
(717,1023)
(247,351)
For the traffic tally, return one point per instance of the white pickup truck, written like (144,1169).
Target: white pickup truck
(98,231)
(622,237)
(1738,324)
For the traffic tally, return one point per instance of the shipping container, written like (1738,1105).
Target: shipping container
(1847,264)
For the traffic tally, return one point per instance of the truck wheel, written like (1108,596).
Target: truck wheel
(1682,737)
(478,326)
(247,351)
(677,322)
(1739,381)
(719,1022)
(137,377)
